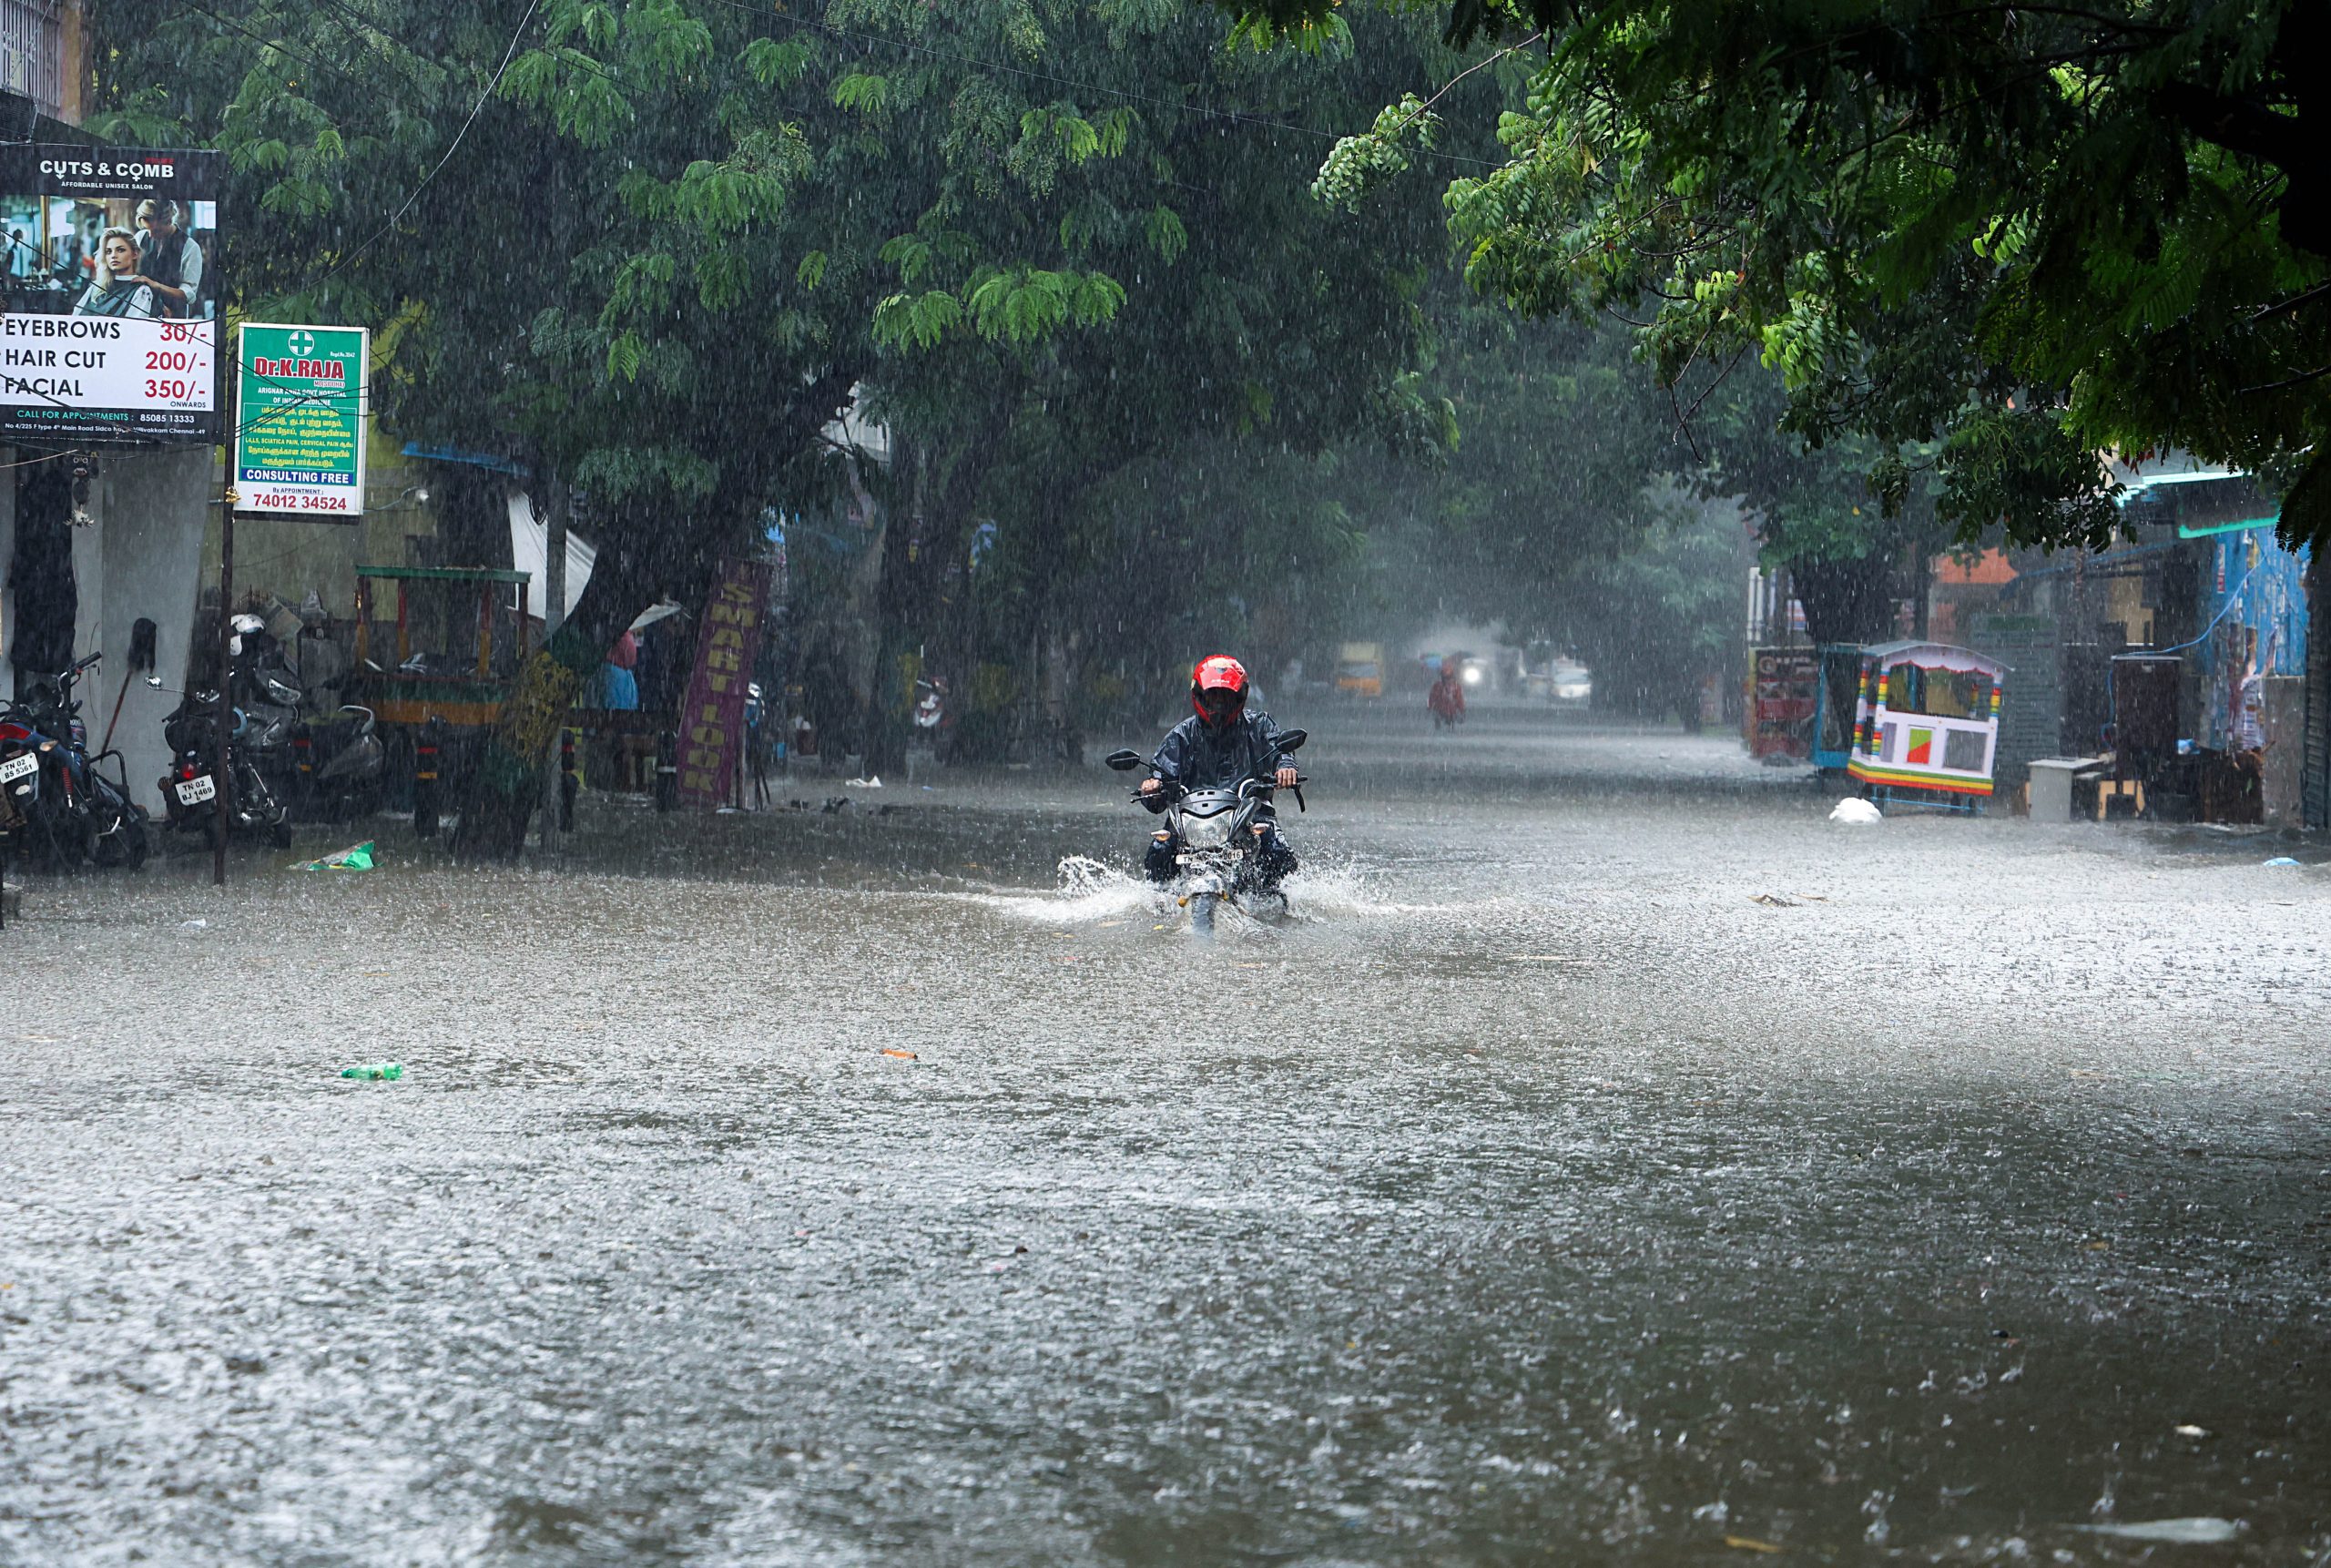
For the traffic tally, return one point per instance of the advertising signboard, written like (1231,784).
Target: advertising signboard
(299,419)
(1784,691)
(712,720)
(109,299)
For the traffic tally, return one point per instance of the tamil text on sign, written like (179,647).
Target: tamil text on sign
(300,422)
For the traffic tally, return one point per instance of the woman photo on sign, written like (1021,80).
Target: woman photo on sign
(119,289)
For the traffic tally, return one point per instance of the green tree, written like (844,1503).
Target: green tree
(653,246)
(2009,237)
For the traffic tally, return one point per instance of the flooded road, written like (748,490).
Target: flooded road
(835,1189)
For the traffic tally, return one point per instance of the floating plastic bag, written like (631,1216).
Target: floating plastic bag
(355,858)
(1857,813)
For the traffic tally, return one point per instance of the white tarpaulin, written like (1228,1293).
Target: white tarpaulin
(529,540)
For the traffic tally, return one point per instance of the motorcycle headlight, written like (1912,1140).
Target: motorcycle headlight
(1206,832)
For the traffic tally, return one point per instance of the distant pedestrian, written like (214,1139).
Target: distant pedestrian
(618,685)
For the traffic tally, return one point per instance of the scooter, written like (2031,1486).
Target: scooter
(1216,830)
(354,774)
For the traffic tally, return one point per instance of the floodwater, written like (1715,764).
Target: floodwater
(1539,1196)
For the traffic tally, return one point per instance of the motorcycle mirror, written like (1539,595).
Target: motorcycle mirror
(1292,739)
(1123,760)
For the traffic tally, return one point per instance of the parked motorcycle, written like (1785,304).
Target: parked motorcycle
(325,768)
(190,787)
(56,804)
(1216,831)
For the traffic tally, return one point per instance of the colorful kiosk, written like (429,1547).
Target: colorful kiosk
(1927,727)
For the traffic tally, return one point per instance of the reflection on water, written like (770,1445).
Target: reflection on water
(1537,1192)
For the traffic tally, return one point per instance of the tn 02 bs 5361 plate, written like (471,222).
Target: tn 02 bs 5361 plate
(18,767)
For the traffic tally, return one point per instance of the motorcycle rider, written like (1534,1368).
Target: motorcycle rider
(1447,699)
(1219,745)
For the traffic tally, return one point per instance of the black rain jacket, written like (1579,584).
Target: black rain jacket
(1194,755)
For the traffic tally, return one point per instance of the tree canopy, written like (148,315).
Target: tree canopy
(1991,239)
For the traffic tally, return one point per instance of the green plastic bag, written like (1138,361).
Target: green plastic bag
(355,858)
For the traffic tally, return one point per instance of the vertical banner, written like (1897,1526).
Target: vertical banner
(299,425)
(712,719)
(1784,690)
(109,293)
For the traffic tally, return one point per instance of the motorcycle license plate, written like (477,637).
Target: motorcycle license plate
(18,767)
(195,791)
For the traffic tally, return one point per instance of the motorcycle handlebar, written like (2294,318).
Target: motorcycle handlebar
(1170,792)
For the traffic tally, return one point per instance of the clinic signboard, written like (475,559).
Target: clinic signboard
(299,419)
(108,294)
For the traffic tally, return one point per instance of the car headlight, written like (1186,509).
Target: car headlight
(1474,675)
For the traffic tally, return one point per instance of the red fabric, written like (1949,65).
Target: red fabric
(1447,697)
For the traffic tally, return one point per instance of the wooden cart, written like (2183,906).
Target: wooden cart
(455,684)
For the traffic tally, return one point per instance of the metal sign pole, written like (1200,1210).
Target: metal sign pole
(222,774)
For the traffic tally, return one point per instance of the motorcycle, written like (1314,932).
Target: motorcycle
(1215,827)
(326,767)
(56,801)
(190,787)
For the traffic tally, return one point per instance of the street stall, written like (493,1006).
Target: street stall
(1927,725)
(456,644)
(439,687)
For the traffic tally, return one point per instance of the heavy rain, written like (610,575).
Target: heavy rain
(1219,781)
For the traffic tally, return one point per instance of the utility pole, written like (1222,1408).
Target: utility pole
(553,616)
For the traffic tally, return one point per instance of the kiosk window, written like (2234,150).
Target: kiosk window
(1962,750)
(1943,693)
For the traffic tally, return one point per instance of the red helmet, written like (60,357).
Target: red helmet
(1219,688)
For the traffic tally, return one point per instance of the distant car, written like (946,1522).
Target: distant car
(1571,682)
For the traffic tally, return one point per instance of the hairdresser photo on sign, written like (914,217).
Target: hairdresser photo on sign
(169,261)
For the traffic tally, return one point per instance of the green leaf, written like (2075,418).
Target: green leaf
(862,92)
(1166,234)
(775,62)
(624,357)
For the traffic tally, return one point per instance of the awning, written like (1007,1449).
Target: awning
(1934,656)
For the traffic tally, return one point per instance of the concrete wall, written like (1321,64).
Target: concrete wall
(7,559)
(139,559)
(2032,706)
(2286,750)
(151,507)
